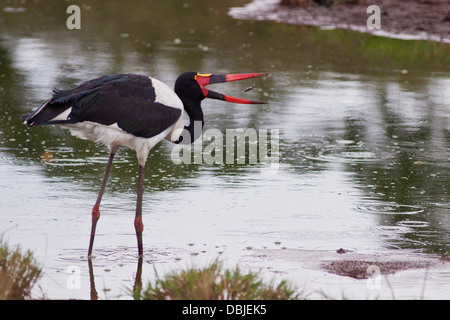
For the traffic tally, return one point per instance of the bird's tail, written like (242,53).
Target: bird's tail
(47,113)
(25,117)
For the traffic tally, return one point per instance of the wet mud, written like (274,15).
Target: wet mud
(354,264)
(415,19)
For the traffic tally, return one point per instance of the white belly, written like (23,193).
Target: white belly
(113,137)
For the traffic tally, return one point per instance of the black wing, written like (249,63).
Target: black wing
(125,99)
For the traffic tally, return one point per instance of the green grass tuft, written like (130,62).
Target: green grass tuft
(18,273)
(214,283)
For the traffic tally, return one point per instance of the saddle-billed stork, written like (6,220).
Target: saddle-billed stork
(134,111)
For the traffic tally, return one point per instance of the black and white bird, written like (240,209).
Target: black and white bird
(134,111)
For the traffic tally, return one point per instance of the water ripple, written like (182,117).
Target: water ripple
(413,224)
(389,208)
(345,157)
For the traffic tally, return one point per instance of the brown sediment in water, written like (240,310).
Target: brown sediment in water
(362,269)
(354,264)
(413,19)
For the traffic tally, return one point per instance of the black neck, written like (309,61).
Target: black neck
(196,121)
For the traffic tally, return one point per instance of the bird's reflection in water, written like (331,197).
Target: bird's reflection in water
(137,287)
(94,295)
(138,280)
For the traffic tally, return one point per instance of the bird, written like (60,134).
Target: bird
(134,111)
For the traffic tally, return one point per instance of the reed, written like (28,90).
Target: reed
(18,273)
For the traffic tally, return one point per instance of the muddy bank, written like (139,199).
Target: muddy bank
(414,19)
(355,264)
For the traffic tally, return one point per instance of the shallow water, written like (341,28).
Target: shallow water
(364,132)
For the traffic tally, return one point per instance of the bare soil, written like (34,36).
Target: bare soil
(409,19)
(358,269)
(353,264)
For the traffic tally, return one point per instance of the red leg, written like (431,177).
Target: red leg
(138,225)
(96,209)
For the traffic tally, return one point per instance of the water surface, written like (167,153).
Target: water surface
(364,128)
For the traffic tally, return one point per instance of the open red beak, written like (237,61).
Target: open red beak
(205,79)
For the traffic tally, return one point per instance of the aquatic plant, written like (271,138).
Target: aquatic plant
(213,282)
(18,273)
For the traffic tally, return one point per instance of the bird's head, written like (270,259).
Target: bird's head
(191,86)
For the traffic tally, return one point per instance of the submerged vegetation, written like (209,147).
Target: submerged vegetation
(213,282)
(18,273)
